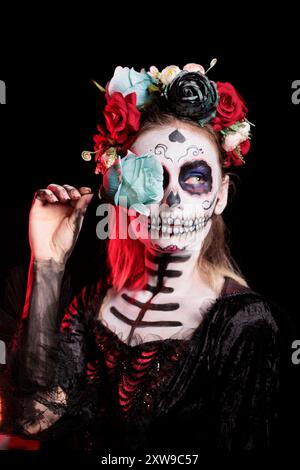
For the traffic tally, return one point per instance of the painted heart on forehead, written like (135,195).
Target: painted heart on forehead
(194,187)
(176,136)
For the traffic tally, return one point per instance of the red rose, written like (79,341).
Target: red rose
(234,157)
(121,116)
(101,141)
(231,107)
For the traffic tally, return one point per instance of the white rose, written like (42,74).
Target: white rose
(154,72)
(244,130)
(194,68)
(231,141)
(169,73)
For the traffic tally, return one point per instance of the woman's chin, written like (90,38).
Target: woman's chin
(170,244)
(171,248)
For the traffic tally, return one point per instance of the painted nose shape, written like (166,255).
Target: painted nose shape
(173,199)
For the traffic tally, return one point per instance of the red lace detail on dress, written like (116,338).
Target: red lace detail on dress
(136,375)
(137,371)
(70,313)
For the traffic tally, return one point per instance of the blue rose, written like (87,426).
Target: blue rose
(139,179)
(126,80)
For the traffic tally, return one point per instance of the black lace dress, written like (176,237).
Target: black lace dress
(219,389)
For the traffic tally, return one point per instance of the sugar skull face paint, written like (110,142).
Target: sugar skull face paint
(195,177)
(192,186)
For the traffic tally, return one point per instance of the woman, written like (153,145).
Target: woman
(170,349)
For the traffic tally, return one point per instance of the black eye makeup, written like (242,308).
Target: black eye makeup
(166,177)
(195,177)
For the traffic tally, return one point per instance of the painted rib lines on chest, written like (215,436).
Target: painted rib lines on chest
(161,272)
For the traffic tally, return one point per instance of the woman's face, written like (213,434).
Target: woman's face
(193,186)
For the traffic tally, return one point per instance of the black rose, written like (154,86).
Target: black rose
(192,95)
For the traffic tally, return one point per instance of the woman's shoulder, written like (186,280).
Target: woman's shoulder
(243,310)
(85,303)
(245,323)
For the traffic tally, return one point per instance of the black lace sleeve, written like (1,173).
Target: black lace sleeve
(48,358)
(246,368)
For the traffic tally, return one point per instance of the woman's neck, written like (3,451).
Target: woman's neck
(175,272)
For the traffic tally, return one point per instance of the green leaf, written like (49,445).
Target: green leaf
(99,87)
(153,88)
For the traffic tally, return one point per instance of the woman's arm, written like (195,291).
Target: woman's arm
(55,221)
(52,390)
(34,346)
(40,319)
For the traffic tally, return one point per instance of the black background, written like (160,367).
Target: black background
(51,115)
(52,110)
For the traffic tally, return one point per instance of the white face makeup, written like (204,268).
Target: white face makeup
(192,182)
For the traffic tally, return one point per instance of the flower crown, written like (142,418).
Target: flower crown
(187,92)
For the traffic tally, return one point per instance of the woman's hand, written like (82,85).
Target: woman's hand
(55,221)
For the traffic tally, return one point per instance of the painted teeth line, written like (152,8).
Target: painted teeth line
(158,221)
(189,226)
